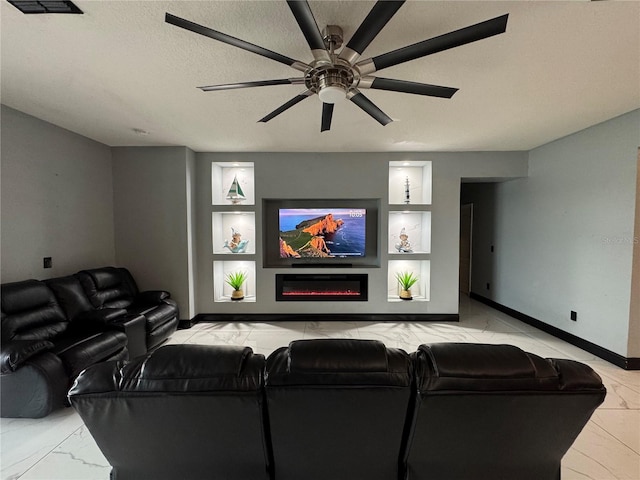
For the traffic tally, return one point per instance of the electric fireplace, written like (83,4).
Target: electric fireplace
(321,287)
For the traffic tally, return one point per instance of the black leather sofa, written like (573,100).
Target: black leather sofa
(337,410)
(52,330)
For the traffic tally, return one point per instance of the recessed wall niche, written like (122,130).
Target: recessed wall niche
(410,183)
(232,183)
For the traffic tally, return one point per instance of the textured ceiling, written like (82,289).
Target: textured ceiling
(560,67)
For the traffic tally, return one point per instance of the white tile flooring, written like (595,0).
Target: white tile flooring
(59,446)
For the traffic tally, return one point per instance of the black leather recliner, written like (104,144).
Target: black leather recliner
(496,412)
(111,287)
(337,409)
(81,313)
(42,352)
(183,411)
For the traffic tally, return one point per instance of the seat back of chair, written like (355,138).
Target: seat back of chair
(30,311)
(494,411)
(107,287)
(337,409)
(183,411)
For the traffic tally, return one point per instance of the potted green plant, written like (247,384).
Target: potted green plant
(235,280)
(406,281)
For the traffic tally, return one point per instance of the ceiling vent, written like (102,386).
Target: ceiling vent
(45,6)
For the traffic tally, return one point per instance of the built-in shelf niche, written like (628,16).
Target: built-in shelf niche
(222,291)
(222,177)
(420,291)
(416,225)
(223,224)
(418,174)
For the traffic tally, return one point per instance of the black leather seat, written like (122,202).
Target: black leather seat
(183,411)
(85,317)
(42,351)
(111,287)
(337,409)
(496,412)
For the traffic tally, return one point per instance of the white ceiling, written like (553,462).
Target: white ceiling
(560,67)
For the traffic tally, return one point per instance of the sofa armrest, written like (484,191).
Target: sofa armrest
(152,296)
(16,353)
(103,316)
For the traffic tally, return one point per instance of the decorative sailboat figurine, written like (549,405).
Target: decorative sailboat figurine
(407,195)
(236,195)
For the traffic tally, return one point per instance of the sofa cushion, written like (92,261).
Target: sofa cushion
(337,356)
(338,362)
(79,351)
(70,295)
(30,312)
(479,367)
(105,287)
(157,314)
(189,368)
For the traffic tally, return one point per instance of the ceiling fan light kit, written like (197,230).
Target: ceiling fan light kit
(335,77)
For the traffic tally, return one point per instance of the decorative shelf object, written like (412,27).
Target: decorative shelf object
(222,291)
(410,183)
(409,232)
(234,233)
(232,183)
(419,291)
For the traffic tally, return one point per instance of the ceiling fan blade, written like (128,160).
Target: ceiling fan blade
(286,106)
(378,17)
(449,40)
(403,86)
(259,83)
(368,106)
(327,114)
(236,42)
(302,12)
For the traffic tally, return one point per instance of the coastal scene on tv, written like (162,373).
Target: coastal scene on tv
(317,232)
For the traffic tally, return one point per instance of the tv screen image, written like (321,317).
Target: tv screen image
(322,232)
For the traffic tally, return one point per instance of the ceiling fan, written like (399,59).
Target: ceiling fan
(335,76)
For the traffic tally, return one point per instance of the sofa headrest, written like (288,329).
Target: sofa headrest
(337,355)
(105,277)
(187,368)
(26,295)
(468,366)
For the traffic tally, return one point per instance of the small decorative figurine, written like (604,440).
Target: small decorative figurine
(407,195)
(235,194)
(404,246)
(236,245)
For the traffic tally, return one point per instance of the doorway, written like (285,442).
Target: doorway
(466,233)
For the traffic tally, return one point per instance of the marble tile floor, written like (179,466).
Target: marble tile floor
(60,447)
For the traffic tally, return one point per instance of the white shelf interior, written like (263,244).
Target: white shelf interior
(421,268)
(417,227)
(222,291)
(224,223)
(222,175)
(418,173)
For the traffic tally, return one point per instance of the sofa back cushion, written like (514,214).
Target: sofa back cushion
(107,287)
(196,409)
(337,408)
(507,413)
(70,296)
(30,312)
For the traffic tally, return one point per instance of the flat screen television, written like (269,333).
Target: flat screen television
(320,233)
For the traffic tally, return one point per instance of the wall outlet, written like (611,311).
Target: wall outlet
(574,316)
(488,286)
(491,248)
(46,262)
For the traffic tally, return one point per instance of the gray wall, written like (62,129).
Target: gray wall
(350,175)
(152,218)
(564,236)
(57,200)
